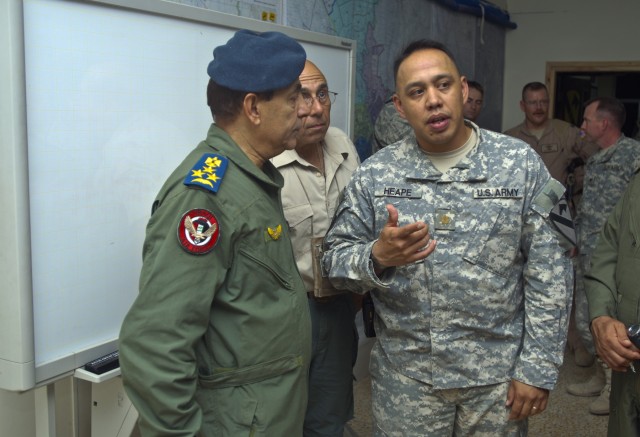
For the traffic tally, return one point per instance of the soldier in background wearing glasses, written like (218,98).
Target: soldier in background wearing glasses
(315,173)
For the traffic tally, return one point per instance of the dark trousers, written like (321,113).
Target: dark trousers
(624,402)
(334,340)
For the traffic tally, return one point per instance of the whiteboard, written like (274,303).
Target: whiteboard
(114,98)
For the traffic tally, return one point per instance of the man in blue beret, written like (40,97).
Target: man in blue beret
(218,340)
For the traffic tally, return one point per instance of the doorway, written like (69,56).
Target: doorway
(571,84)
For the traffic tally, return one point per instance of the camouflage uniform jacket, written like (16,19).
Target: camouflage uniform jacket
(607,175)
(389,127)
(458,318)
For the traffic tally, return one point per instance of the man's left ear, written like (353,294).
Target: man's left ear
(465,88)
(251,107)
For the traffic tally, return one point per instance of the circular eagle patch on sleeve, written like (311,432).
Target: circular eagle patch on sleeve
(198,231)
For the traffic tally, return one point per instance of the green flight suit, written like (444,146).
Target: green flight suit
(612,290)
(218,343)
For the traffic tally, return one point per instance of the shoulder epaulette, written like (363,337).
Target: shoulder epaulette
(208,172)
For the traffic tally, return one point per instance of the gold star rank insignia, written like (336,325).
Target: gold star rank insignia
(445,219)
(208,172)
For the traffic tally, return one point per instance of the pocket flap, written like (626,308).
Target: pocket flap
(297,214)
(251,374)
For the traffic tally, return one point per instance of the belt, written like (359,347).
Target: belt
(325,299)
(233,377)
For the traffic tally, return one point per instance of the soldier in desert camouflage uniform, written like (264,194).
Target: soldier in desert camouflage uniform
(558,143)
(472,322)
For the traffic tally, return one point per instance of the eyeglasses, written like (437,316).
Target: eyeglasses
(325,97)
(537,102)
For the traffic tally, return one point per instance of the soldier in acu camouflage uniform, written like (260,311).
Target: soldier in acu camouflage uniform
(472,322)
(389,127)
(607,175)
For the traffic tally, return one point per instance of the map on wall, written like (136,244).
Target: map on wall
(381,29)
(265,10)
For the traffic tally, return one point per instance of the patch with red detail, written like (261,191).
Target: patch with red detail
(198,231)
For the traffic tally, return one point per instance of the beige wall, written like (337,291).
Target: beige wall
(17,414)
(24,414)
(562,31)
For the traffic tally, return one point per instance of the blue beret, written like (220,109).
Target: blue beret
(257,62)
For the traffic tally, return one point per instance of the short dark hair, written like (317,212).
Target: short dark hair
(225,103)
(476,85)
(611,107)
(533,86)
(421,44)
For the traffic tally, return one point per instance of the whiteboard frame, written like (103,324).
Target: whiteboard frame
(17,353)
(18,371)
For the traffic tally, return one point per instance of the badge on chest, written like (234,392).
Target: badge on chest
(445,220)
